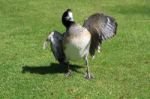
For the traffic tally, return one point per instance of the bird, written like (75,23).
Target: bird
(80,41)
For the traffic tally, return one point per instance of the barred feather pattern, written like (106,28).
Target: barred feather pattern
(101,27)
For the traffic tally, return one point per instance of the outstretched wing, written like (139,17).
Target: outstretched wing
(55,39)
(101,27)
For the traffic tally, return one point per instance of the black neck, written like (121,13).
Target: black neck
(67,24)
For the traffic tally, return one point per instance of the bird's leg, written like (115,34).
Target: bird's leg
(69,72)
(88,75)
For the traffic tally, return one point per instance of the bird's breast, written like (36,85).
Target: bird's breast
(76,45)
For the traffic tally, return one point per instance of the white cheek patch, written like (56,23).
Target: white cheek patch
(70,15)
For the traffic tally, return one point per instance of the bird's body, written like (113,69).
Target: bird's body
(76,42)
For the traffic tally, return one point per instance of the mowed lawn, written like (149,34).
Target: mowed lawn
(121,70)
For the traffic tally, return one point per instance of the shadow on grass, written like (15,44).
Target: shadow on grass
(52,69)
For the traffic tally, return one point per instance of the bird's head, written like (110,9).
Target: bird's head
(67,17)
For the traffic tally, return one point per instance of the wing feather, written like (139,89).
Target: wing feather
(55,39)
(101,27)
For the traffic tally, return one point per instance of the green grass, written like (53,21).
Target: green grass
(121,70)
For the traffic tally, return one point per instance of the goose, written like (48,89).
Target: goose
(78,41)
